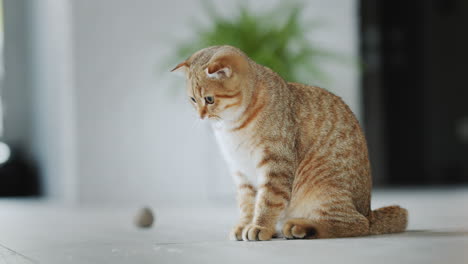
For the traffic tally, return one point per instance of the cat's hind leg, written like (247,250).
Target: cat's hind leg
(327,224)
(299,228)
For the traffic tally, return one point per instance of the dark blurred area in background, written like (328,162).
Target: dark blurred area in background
(19,177)
(415,57)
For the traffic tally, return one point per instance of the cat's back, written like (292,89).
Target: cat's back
(323,116)
(308,95)
(314,103)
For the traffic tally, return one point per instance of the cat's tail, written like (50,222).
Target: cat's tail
(389,219)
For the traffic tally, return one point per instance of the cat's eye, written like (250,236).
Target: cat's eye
(193,99)
(209,99)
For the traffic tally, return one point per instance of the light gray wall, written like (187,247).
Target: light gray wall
(136,142)
(52,91)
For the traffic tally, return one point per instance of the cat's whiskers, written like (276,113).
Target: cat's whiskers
(214,117)
(196,123)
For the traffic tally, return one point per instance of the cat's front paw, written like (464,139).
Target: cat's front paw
(254,232)
(236,232)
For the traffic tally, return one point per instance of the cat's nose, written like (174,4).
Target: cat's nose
(202,113)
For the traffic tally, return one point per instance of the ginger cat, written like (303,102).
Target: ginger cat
(296,152)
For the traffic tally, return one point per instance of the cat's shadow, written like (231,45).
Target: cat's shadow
(412,234)
(435,233)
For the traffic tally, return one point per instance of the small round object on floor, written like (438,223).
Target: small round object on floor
(144,218)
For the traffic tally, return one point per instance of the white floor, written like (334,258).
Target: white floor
(38,232)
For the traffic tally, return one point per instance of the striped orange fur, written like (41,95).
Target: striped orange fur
(296,152)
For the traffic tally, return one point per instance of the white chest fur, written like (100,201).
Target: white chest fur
(238,153)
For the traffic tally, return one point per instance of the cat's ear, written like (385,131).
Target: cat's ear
(181,67)
(218,71)
(225,64)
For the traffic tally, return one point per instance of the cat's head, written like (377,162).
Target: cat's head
(216,77)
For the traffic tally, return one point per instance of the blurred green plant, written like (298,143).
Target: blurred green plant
(275,38)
